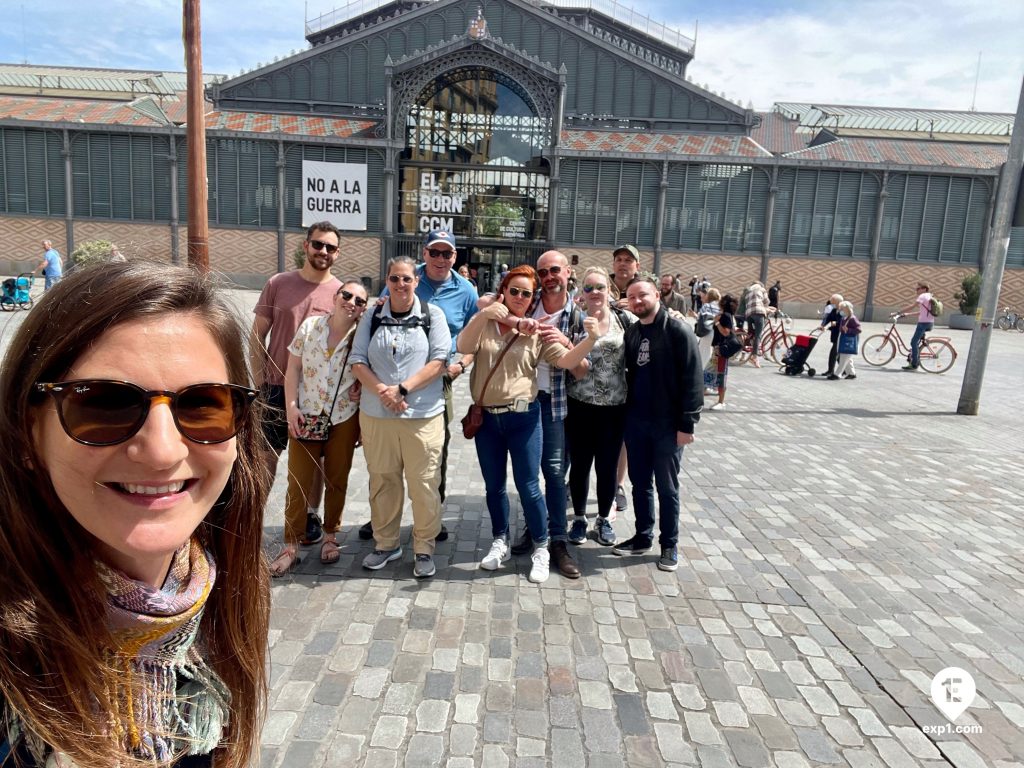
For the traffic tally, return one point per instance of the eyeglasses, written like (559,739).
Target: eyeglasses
(517,292)
(106,412)
(320,245)
(553,270)
(438,253)
(592,288)
(359,301)
(400,279)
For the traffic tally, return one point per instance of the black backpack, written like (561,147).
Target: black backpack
(422,321)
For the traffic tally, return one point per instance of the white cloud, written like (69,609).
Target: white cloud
(881,53)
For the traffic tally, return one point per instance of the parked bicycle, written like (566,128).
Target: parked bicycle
(775,339)
(937,352)
(1009,320)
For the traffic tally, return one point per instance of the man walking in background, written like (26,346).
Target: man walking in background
(52,265)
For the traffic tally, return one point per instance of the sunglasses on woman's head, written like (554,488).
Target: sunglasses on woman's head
(106,412)
(400,279)
(517,292)
(556,270)
(320,245)
(348,296)
(591,288)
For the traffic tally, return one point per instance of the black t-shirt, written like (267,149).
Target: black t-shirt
(725,321)
(641,395)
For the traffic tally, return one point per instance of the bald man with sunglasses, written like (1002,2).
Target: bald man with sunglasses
(287,299)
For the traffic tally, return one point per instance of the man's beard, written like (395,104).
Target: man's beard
(645,312)
(554,289)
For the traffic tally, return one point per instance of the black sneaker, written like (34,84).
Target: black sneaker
(314,530)
(669,559)
(524,545)
(634,545)
(366,531)
(443,535)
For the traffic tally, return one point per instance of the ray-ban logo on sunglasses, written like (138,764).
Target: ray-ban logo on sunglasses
(80,390)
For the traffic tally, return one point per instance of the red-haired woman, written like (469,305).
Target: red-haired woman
(511,424)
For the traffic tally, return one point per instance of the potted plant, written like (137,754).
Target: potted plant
(967,297)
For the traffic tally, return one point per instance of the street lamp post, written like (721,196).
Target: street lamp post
(195,131)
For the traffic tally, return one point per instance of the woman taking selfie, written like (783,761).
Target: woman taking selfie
(135,595)
(323,421)
(511,413)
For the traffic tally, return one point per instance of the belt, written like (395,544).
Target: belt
(519,406)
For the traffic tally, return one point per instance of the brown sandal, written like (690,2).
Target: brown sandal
(329,552)
(280,566)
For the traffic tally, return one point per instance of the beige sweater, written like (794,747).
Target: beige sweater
(516,377)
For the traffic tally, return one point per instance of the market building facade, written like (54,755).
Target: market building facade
(519,126)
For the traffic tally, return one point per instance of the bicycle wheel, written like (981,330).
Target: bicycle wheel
(1020,324)
(779,349)
(877,349)
(1003,323)
(743,356)
(937,356)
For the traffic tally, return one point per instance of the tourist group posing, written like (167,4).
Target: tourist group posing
(554,386)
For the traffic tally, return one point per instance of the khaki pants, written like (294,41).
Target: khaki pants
(303,458)
(412,447)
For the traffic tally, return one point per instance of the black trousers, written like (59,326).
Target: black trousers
(594,434)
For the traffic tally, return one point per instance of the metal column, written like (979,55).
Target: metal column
(876,240)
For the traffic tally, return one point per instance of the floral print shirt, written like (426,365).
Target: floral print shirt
(320,370)
(605,382)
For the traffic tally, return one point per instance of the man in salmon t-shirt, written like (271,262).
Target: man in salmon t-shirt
(925,322)
(287,299)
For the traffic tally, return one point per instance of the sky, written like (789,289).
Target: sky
(897,53)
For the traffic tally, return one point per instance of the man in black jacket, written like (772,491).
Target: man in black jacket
(665,394)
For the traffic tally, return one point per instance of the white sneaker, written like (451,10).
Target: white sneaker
(541,565)
(718,407)
(499,554)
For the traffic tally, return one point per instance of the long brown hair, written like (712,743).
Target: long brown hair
(53,633)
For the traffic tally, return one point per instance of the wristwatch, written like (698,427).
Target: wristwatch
(402,390)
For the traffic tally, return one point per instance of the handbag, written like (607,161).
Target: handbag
(315,429)
(847,344)
(730,345)
(474,418)
(704,325)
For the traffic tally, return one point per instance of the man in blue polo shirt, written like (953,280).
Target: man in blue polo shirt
(51,265)
(445,288)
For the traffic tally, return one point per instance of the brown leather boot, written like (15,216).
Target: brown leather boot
(563,561)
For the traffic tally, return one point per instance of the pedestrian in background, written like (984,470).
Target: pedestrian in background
(52,265)
(925,322)
(756,312)
(716,371)
(849,333)
(830,318)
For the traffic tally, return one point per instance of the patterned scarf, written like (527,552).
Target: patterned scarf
(168,700)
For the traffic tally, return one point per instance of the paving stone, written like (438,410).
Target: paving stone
(632,716)
(600,732)
(567,748)
(748,750)
(730,714)
(467,708)
(389,731)
(595,694)
(817,747)
(497,727)
(843,731)
(424,751)
(700,728)
(689,696)
(672,744)
(494,757)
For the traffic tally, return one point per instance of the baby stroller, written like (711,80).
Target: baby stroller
(16,292)
(795,360)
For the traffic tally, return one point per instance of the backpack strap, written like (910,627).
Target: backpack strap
(423,321)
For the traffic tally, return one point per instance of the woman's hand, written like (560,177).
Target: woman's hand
(355,392)
(592,328)
(294,418)
(528,326)
(550,334)
(495,311)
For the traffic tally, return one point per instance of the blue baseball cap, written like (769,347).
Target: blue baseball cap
(440,236)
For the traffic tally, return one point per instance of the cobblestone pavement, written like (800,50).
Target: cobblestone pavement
(841,542)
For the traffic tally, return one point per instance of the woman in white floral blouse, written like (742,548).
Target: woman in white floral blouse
(319,380)
(596,420)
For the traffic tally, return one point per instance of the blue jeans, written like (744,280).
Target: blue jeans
(915,343)
(552,464)
(654,461)
(517,435)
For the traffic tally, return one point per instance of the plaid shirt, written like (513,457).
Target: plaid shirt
(757,300)
(556,384)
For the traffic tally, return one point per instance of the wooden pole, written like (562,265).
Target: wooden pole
(195,131)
